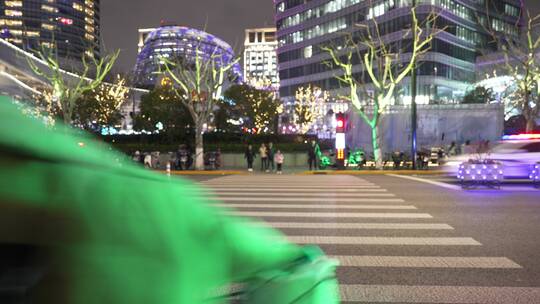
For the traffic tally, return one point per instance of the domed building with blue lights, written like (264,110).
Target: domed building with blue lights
(170,41)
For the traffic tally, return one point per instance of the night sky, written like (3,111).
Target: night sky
(226,19)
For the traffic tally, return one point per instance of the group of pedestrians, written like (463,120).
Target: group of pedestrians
(271,159)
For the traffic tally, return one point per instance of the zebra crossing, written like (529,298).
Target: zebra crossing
(371,231)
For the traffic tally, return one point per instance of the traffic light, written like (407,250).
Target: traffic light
(340,123)
(340,154)
(340,140)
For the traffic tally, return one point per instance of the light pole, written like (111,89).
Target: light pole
(413,103)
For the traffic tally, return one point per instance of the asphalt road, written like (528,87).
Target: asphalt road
(401,240)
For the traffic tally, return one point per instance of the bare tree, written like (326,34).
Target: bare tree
(68,88)
(309,106)
(201,80)
(384,66)
(521,51)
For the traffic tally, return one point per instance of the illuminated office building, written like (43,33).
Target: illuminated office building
(72,25)
(170,41)
(260,57)
(444,74)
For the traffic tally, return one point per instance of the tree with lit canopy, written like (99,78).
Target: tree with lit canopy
(309,106)
(161,109)
(521,51)
(384,67)
(257,108)
(200,81)
(67,88)
(101,106)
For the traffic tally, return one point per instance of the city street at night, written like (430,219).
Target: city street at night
(400,240)
(269,152)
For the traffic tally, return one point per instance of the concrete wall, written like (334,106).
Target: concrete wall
(237,161)
(296,160)
(437,125)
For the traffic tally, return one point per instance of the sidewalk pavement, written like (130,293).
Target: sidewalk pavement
(301,171)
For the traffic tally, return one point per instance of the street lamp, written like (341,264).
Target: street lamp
(414,150)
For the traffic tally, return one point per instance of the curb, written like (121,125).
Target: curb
(320,172)
(203,172)
(372,172)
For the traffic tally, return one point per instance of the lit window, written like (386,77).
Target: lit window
(308,51)
(78,7)
(47,26)
(89,37)
(10,22)
(31,34)
(15,40)
(14,3)
(47,44)
(15,32)
(66,21)
(13,13)
(49,8)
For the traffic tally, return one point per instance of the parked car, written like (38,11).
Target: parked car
(516,153)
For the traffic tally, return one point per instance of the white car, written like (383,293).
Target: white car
(517,156)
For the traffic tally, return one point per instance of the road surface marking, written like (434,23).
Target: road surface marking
(422,241)
(306,194)
(382,226)
(306,199)
(291,184)
(426,181)
(331,214)
(439,294)
(317,206)
(247,189)
(426,262)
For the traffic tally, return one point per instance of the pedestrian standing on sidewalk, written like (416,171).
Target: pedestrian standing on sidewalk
(249,155)
(313,152)
(279,158)
(271,152)
(263,152)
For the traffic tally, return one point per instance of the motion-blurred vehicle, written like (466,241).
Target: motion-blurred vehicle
(517,153)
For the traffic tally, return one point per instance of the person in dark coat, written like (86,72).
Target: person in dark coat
(313,152)
(271,151)
(249,155)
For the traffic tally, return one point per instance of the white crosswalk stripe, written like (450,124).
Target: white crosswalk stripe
(426,262)
(324,210)
(306,194)
(307,199)
(439,294)
(303,206)
(364,226)
(248,190)
(362,240)
(384,215)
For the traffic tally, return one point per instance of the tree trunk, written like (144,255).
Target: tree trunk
(199,146)
(67,120)
(531,124)
(376,143)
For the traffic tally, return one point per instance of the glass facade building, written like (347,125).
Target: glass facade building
(178,41)
(73,25)
(444,73)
